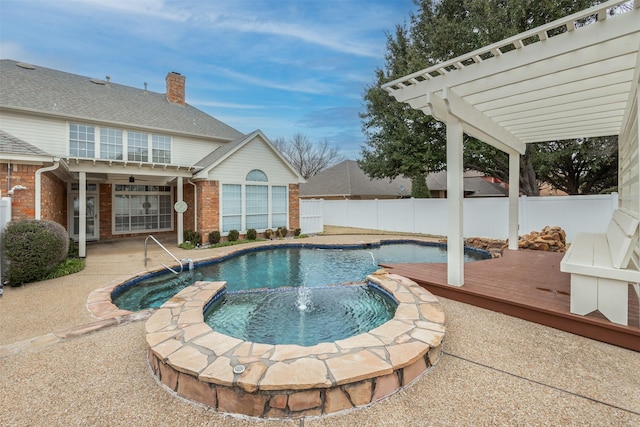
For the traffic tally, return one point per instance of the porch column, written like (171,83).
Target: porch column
(455,199)
(514,202)
(82,216)
(179,198)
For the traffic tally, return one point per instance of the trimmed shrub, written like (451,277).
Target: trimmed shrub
(297,232)
(214,237)
(34,248)
(282,232)
(252,234)
(192,236)
(233,235)
(268,233)
(73,250)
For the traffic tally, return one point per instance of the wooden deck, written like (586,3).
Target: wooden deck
(529,285)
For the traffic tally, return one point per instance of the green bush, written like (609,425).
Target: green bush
(252,234)
(268,233)
(186,245)
(68,266)
(233,235)
(297,232)
(282,232)
(214,237)
(34,248)
(192,236)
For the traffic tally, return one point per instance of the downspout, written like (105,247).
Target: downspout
(56,164)
(195,204)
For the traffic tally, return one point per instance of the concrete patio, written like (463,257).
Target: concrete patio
(60,366)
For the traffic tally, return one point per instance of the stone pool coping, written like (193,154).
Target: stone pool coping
(291,381)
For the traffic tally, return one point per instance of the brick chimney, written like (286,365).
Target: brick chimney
(175,88)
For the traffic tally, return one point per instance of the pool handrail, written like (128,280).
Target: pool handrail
(166,250)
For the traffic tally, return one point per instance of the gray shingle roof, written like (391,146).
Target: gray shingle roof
(347,179)
(9,144)
(69,95)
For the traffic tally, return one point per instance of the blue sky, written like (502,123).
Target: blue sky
(282,66)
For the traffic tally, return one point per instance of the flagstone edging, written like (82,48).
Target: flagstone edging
(292,381)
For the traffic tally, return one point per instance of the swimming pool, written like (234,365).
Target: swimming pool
(289,265)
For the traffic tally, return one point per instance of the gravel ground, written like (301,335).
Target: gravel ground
(495,370)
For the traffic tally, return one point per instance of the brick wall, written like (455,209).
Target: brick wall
(23,202)
(53,199)
(187,218)
(294,206)
(208,207)
(106,210)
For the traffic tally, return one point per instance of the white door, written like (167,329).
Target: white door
(93,224)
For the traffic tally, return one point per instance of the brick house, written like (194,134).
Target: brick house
(112,161)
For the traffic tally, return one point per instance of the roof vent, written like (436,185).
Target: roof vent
(25,66)
(98,82)
(108,80)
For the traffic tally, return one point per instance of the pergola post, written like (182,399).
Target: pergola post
(455,199)
(514,202)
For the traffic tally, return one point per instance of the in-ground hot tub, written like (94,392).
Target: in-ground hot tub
(286,380)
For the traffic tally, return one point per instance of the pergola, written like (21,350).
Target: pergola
(536,87)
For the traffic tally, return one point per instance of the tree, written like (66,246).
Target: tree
(307,158)
(451,28)
(582,166)
(441,30)
(401,141)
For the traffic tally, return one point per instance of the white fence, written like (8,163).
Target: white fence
(311,216)
(483,217)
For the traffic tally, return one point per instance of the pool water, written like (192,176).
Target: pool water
(282,266)
(280,317)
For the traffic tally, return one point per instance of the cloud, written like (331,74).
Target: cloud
(333,117)
(214,104)
(152,8)
(307,85)
(334,40)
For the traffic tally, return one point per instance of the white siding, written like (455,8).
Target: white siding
(188,151)
(50,135)
(255,154)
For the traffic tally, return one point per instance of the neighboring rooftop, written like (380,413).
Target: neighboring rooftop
(38,89)
(346,179)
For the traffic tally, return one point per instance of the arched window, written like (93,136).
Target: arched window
(257,175)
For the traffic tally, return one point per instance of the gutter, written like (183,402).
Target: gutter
(39,172)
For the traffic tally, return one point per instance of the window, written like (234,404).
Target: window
(82,141)
(231,207)
(279,206)
(255,204)
(114,143)
(137,146)
(110,144)
(257,175)
(142,208)
(161,148)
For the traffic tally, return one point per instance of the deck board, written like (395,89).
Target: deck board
(529,285)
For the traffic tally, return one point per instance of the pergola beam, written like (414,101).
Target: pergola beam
(477,120)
